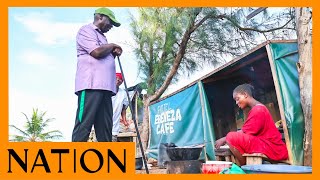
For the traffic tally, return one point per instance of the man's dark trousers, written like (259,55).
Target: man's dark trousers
(94,108)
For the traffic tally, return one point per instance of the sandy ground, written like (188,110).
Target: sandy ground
(153,170)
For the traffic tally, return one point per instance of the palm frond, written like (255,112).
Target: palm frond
(34,129)
(20,130)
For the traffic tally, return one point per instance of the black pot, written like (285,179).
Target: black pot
(139,163)
(184,153)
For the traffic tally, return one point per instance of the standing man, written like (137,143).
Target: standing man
(95,78)
(119,104)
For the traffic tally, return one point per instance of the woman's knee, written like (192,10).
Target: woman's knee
(232,137)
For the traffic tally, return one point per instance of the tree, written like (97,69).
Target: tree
(172,41)
(35,129)
(304,33)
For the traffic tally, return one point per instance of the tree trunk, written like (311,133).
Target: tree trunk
(304,17)
(145,123)
(180,54)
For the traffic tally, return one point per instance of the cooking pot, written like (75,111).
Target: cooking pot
(184,153)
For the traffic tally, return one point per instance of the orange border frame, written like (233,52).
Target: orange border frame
(80,146)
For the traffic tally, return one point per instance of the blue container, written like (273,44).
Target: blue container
(276,169)
(163,157)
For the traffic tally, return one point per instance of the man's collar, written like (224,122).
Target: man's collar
(93,26)
(97,29)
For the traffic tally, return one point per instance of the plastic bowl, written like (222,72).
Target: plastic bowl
(214,167)
(276,169)
(184,153)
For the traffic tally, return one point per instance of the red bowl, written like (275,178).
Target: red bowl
(215,167)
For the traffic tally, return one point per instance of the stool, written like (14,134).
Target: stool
(224,155)
(256,158)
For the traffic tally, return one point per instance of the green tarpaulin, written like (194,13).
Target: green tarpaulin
(184,119)
(285,56)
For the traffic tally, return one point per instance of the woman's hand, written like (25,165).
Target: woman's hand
(220,142)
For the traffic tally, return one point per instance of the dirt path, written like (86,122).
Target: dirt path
(154,170)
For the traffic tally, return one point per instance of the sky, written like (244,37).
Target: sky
(42,62)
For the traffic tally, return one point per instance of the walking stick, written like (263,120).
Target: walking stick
(134,120)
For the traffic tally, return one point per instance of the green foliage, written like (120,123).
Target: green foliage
(156,33)
(34,130)
(217,34)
